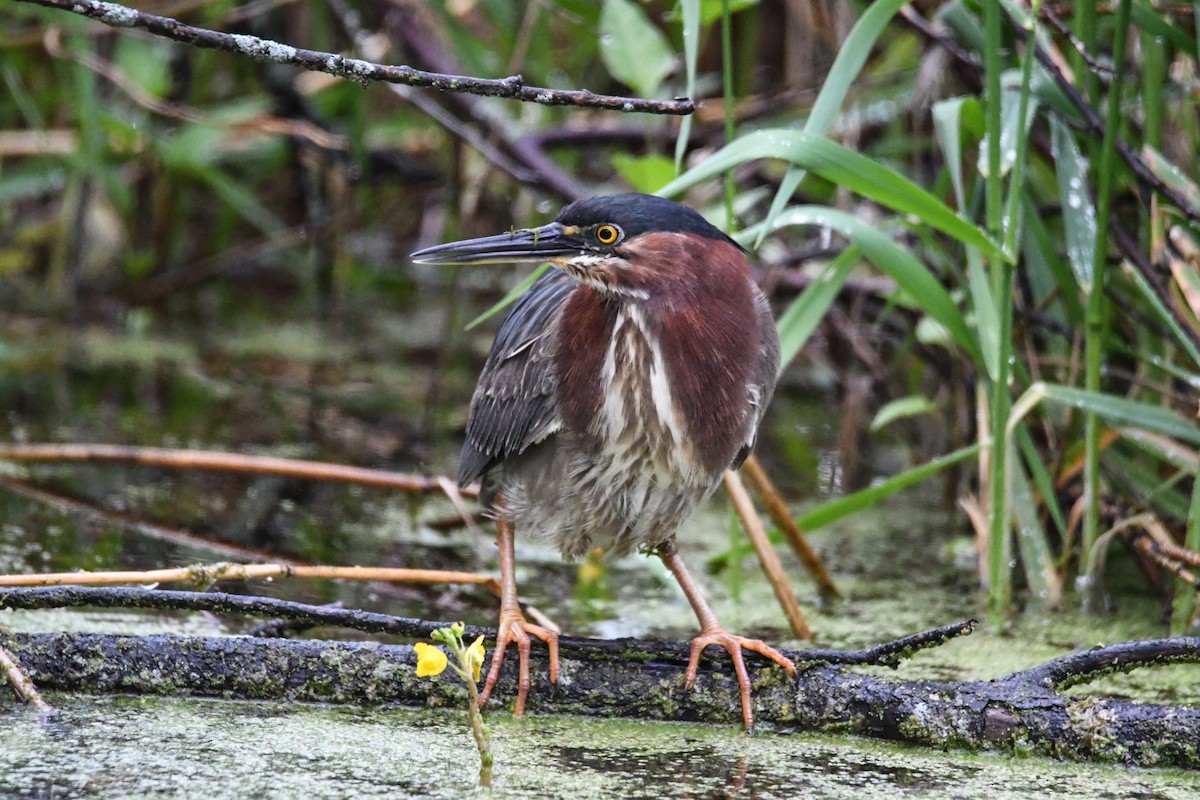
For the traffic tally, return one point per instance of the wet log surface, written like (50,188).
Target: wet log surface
(1025,712)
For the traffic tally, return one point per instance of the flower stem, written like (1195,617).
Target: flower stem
(479,730)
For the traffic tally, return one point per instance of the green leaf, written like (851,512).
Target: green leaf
(890,258)
(711,10)
(635,51)
(987,321)
(513,295)
(1041,478)
(1047,273)
(851,57)
(900,408)
(238,197)
(690,31)
(845,506)
(947,121)
(1171,175)
(1010,100)
(1117,410)
(1162,312)
(1037,557)
(1154,23)
(844,167)
(800,318)
(146,63)
(1079,215)
(644,173)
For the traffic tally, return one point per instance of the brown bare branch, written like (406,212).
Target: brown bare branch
(207,574)
(225,462)
(265,50)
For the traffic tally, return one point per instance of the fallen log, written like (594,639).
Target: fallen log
(1025,712)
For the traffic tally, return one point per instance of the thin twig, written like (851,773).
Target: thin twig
(402,25)
(265,124)
(887,654)
(152,530)
(1071,670)
(367,47)
(1180,554)
(1094,63)
(21,684)
(265,50)
(1155,553)
(206,575)
(224,462)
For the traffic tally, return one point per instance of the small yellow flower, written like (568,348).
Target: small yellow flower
(430,660)
(475,655)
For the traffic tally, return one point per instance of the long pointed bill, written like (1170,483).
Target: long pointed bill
(548,243)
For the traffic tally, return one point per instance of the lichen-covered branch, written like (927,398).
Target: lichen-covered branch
(1024,712)
(301,614)
(355,69)
(1013,714)
(1087,665)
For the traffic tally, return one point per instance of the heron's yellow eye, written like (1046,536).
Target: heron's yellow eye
(608,234)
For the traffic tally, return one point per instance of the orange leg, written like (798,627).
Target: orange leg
(514,627)
(712,633)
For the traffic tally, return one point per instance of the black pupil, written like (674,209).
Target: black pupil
(608,234)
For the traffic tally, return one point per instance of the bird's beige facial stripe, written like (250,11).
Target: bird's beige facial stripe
(603,272)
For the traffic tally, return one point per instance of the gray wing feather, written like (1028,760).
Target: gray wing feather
(515,403)
(767,373)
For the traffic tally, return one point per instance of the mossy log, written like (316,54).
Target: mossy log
(1024,713)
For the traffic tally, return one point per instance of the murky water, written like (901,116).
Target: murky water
(122,747)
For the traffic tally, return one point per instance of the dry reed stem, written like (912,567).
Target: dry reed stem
(207,574)
(767,556)
(764,487)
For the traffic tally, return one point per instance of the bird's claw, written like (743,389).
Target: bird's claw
(734,645)
(514,627)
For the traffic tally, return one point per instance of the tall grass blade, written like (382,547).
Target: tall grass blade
(987,321)
(846,67)
(1037,556)
(1184,606)
(1079,216)
(690,14)
(1117,410)
(1161,311)
(513,295)
(947,121)
(1041,478)
(801,318)
(845,506)
(840,165)
(1096,326)
(890,258)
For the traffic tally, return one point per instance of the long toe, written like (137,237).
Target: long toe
(734,644)
(515,628)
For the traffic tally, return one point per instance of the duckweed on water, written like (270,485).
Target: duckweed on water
(121,747)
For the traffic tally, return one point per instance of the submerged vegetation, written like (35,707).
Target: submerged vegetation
(979,220)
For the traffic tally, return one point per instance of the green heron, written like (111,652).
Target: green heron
(619,389)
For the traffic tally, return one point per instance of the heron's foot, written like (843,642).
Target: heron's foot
(515,628)
(734,645)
